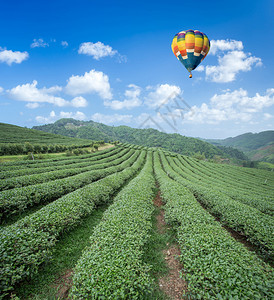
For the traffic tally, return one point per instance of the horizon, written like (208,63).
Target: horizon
(98,61)
(196,137)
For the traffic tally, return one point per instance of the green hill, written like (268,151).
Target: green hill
(257,146)
(144,137)
(16,134)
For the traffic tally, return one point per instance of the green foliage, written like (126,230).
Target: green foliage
(67,251)
(15,134)
(243,218)
(248,141)
(215,265)
(77,168)
(257,146)
(26,244)
(112,266)
(18,199)
(145,137)
(53,165)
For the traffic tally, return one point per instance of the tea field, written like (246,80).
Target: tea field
(98,209)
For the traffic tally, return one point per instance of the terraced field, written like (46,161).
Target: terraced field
(221,218)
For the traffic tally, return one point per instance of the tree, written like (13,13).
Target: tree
(28,147)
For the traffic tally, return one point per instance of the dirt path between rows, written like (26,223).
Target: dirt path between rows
(172,284)
(63,284)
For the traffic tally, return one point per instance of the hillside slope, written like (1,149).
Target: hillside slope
(257,146)
(145,137)
(16,134)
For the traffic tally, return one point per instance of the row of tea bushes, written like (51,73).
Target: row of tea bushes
(28,243)
(215,265)
(112,266)
(18,199)
(249,221)
(74,169)
(64,164)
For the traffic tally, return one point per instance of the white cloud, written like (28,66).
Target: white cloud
(32,105)
(200,68)
(231,106)
(30,93)
(54,117)
(51,118)
(9,56)
(267,116)
(64,44)
(39,43)
(161,94)
(96,50)
(224,45)
(79,102)
(1,90)
(131,99)
(90,82)
(110,119)
(230,65)
(78,115)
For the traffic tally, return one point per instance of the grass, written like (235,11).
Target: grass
(153,253)
(68,251)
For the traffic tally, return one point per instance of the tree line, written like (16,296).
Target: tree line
(16,148)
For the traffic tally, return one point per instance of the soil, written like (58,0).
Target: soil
(63,285)
(171,284)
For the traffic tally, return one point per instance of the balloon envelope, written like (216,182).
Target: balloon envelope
(190,47)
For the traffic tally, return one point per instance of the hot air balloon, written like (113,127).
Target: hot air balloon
(190,47)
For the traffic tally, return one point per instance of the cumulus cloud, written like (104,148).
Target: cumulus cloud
(1,90)
(111,119)
(230,65)
(54,117)
(9,57)
(39,43)
(32,105)
(64,44)
(161,94)
(51,118)
(75,115)
(131,99)
(30,93)
(230,106)
(79,102)
(96,50)
(200,68)
(231,60)
(224,45)
(90,82)
(34,96)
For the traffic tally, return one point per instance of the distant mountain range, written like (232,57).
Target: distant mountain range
(145,137)
(257,146)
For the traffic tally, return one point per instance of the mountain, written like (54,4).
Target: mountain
(16,134)
(145,137)
(257,146)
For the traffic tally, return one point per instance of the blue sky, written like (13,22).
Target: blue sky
(111,62)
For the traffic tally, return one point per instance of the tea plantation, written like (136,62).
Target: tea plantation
(221,217)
